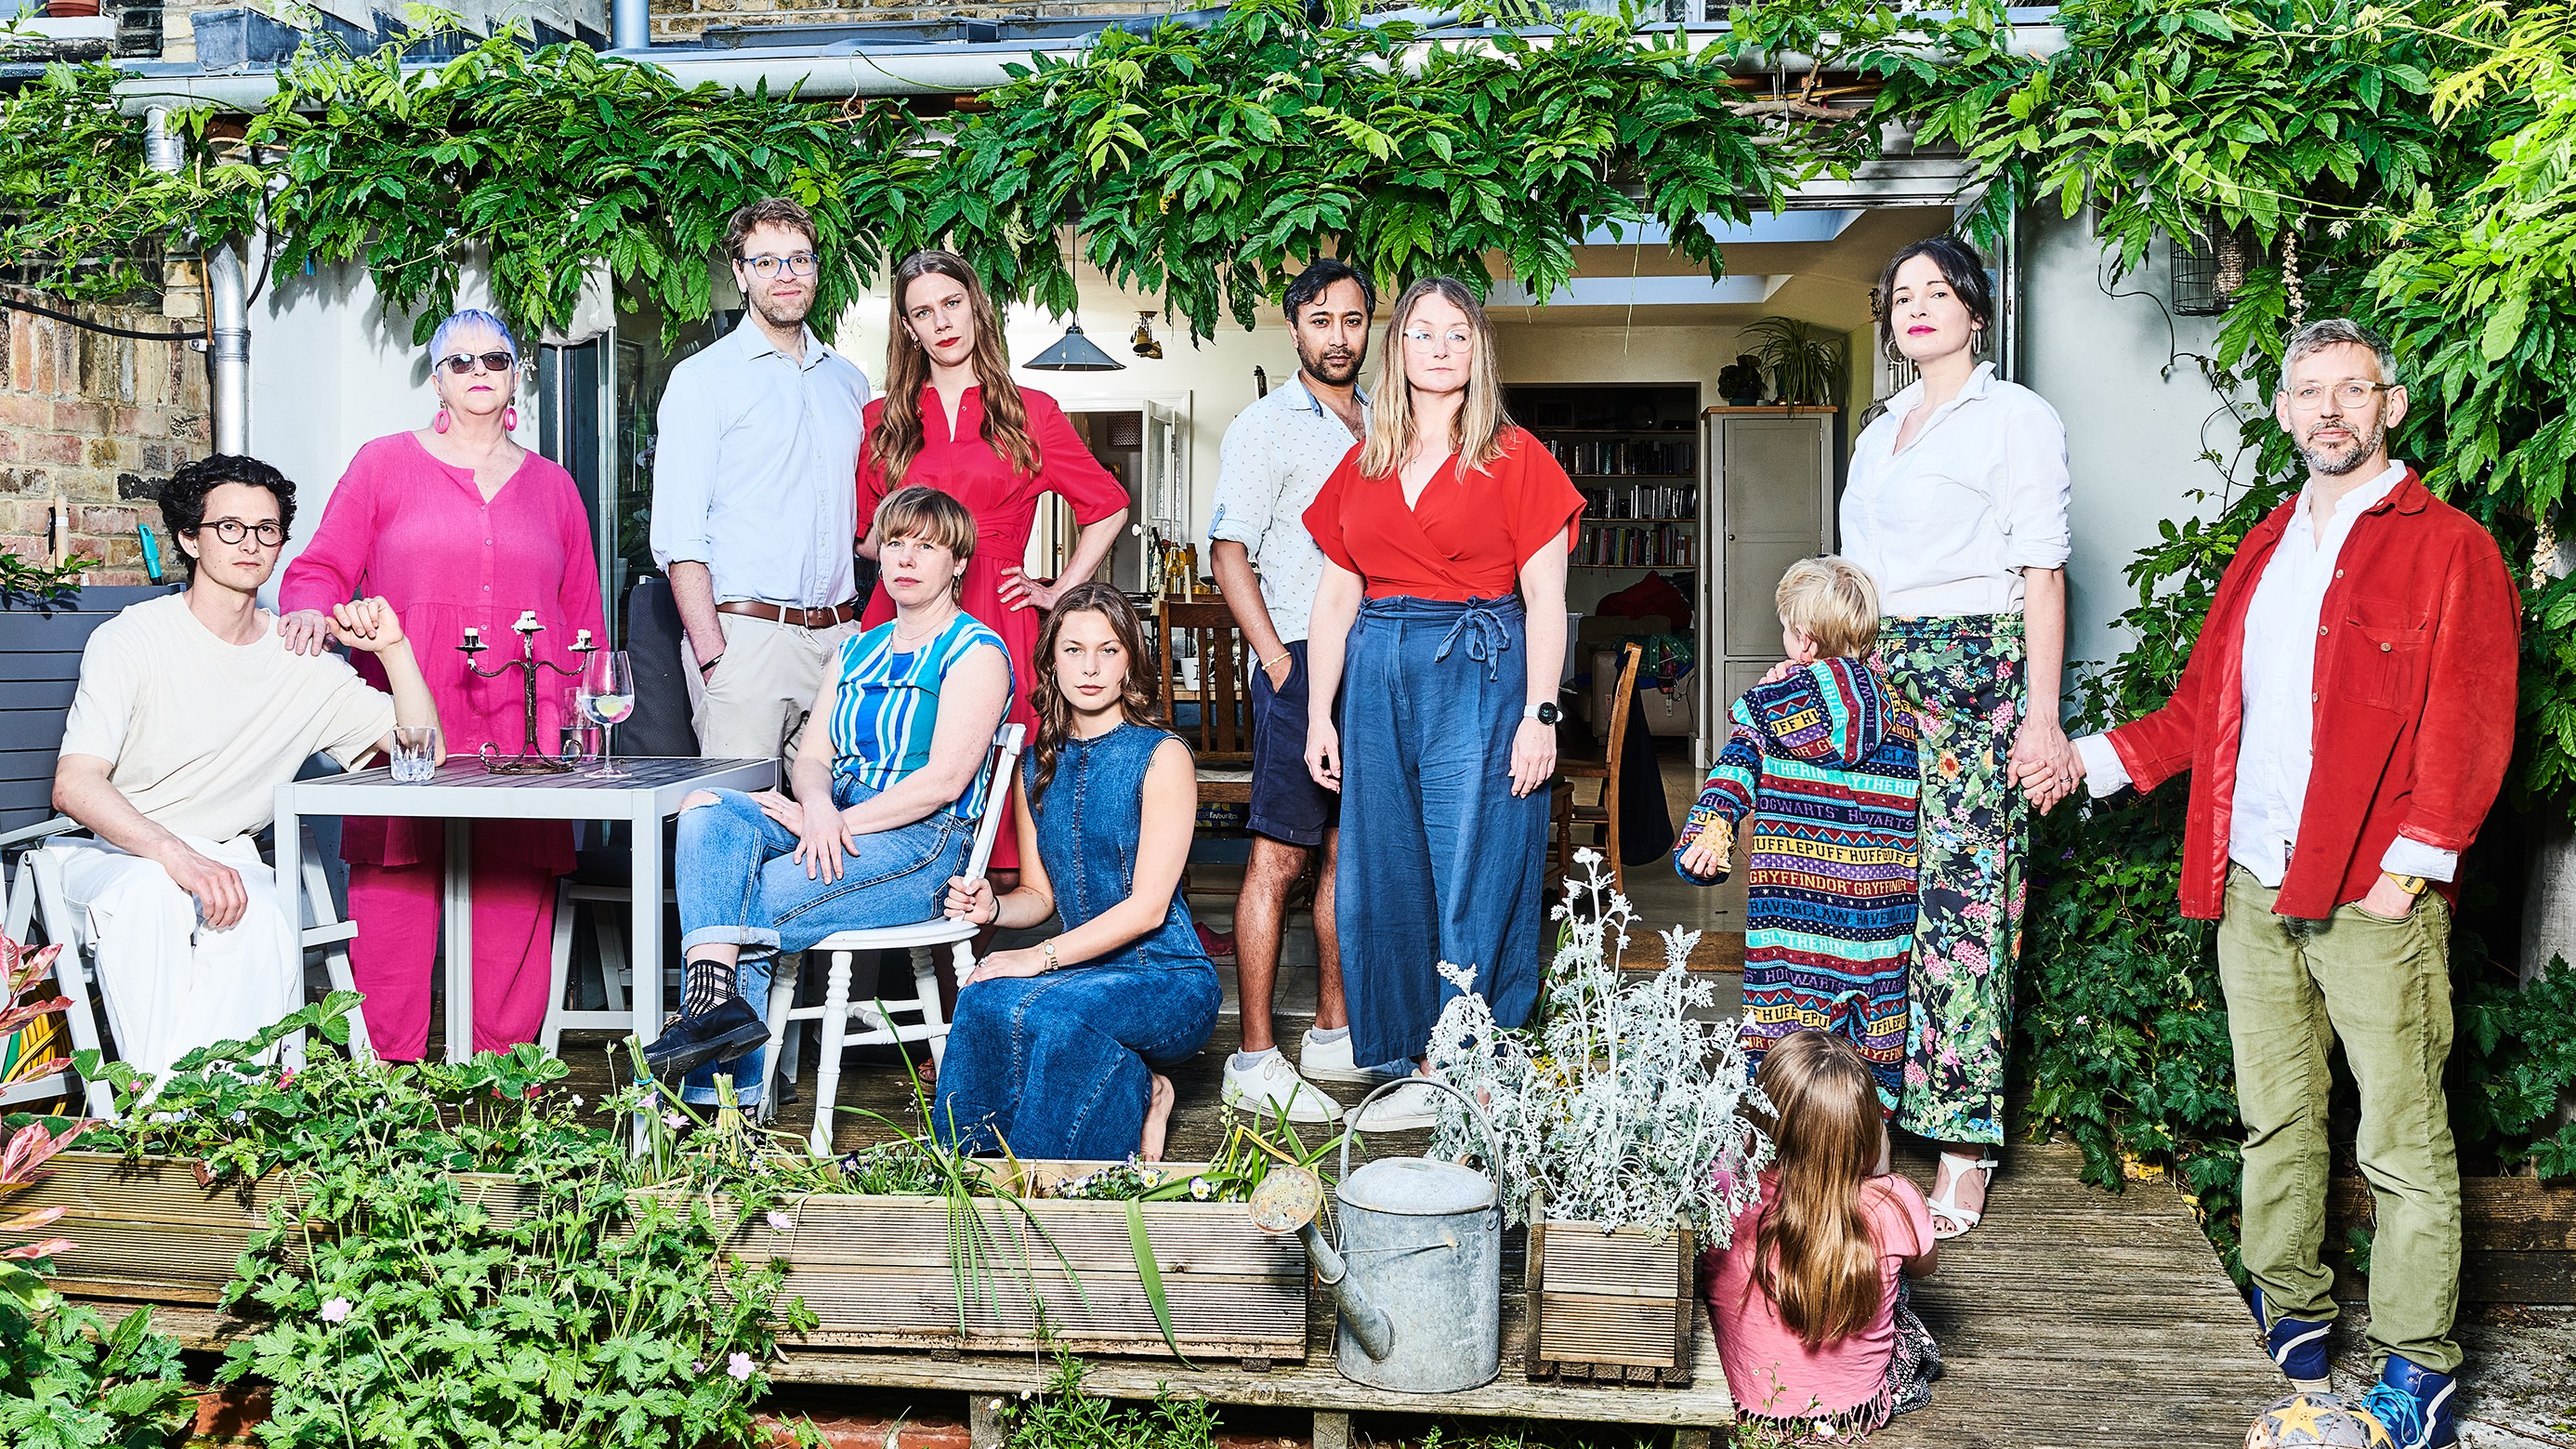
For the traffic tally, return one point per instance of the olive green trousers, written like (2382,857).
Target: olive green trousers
(2383,988)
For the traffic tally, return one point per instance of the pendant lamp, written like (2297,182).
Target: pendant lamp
(1074,352)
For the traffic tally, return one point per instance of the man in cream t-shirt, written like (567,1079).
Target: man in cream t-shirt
(190,713)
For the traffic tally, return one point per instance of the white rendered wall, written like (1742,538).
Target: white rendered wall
(328,373)
(2135,437)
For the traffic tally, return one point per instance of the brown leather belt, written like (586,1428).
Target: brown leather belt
(823,618)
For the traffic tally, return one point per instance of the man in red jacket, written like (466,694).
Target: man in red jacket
(2345,718)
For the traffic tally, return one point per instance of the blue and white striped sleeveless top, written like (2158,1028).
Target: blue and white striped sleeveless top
(888,705)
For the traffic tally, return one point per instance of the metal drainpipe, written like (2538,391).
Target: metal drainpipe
(630,24)
(227,301)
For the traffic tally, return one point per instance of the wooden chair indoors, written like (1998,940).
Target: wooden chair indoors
(1602,816)
(1203,665)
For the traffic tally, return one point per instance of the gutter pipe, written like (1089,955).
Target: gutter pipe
(843,69)
(227,301)
(630,24)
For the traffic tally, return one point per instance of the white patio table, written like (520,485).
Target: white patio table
(647,793)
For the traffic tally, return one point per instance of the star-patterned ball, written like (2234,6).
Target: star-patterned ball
(2316,1421)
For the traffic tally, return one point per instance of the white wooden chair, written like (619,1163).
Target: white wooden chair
(876,1017)
(615,972)
(39,892)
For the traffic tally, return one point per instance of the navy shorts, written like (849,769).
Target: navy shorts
(1287,804)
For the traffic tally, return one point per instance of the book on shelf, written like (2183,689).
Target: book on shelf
(1659,546)
(1609,457)
(1642,500)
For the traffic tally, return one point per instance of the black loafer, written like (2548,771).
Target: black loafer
(732,1029)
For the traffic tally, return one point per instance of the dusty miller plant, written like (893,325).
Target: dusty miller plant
(1620,1104)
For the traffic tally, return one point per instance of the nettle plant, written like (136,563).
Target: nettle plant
(1621,1104)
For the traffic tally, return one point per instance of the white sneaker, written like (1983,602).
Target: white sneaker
(1408,1108)
(1270,1084)
(1330,1061)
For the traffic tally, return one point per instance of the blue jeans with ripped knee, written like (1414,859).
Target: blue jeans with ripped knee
(739,883)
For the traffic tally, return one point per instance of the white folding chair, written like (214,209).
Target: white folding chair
(82,1022)
(877,1018)
(615,974)
(40,892)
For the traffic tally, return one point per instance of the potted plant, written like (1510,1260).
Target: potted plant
(1740,382)
(1615,1113)
(1807,362)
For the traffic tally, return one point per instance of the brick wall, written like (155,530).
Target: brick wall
(683,20)
(90,427)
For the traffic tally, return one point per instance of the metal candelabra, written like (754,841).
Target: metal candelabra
(531,759)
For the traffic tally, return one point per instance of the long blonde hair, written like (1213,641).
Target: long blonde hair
(1482,427)
(1813,1254)
(897,438)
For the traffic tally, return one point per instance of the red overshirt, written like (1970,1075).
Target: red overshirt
(2418,643)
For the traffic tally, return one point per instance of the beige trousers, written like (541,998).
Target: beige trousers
(753,706)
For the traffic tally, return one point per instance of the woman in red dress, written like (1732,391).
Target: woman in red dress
(953,419)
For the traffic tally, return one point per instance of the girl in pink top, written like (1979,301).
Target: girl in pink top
(1808,1298)
(458,526)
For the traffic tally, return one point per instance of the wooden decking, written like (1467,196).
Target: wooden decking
(2073,1317)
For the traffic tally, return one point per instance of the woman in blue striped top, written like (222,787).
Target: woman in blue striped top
(886,799)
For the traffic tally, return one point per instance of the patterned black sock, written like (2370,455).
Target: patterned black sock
(704,986)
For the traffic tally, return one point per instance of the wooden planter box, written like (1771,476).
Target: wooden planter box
(876,1272)
(1609,1308)
(2517,1235)
(148,1231)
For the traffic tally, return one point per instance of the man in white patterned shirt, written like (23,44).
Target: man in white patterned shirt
(1275,458)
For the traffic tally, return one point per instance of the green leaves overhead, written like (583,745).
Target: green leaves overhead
(1201,165)
(1208,166)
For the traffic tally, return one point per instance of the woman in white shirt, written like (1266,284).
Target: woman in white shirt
(1957,508)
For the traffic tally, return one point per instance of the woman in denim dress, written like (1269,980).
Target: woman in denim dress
(1054,1047)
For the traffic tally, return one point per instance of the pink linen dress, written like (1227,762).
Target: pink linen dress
(403,525)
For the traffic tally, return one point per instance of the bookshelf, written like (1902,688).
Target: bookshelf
(1634,452)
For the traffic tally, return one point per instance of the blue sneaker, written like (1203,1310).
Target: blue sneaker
(2298,1345)
(2413,1404)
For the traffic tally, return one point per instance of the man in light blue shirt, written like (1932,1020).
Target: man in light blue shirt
(755,512)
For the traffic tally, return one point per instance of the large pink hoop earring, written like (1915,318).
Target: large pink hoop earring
(510,418)
(439,424)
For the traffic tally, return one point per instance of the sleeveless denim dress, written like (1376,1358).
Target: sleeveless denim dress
(1056,1065)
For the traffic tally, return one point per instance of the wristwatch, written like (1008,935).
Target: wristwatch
(1047,949)
(1545,712)
(2413,885)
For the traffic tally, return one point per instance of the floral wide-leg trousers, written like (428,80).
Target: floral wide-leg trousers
(1966,677)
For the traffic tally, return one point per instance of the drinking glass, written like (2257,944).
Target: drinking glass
(605,696)
(415,756)
(579,743)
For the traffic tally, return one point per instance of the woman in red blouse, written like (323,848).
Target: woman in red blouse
(953,419)
(1441,617)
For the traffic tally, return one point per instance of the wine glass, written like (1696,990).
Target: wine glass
(606,695)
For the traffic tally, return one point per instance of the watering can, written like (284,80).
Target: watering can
(1418,1273)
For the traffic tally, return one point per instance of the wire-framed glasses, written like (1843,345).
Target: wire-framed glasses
(2350,395)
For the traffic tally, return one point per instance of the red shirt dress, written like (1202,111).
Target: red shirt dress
(1005,505)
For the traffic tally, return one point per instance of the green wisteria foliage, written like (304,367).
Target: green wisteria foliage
(1203,165)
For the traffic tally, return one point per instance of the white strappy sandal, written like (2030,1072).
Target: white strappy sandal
(1949,1220)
